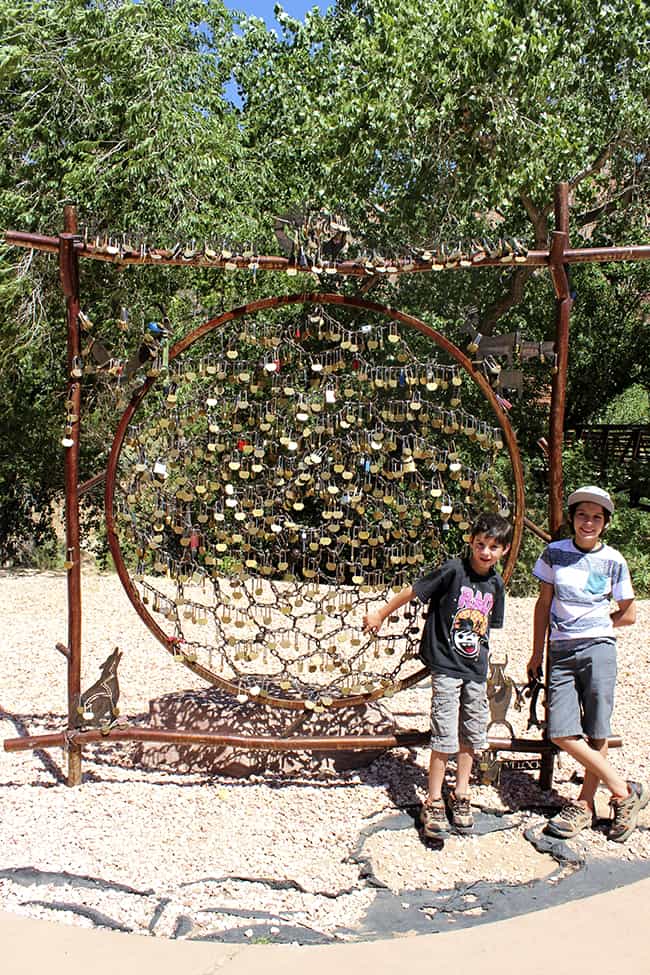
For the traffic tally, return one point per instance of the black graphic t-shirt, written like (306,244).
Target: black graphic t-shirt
(462,607)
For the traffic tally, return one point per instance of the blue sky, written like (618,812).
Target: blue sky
(264,8)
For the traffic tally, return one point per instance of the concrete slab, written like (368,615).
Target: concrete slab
(608,931)
(31,947)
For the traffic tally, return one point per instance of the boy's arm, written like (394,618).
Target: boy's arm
(625,615)
(497,614)
(372,621)
(540,626)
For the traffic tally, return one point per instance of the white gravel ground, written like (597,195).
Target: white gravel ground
(273,856)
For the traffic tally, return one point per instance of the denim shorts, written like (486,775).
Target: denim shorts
(581,688)
(459,714)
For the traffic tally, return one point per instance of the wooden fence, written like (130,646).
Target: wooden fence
(622,449)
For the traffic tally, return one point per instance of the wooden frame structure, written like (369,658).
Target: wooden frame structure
(70,249)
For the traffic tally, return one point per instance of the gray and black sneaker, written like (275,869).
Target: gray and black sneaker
(461,813)
(571,820)
(433,817)
(625,812)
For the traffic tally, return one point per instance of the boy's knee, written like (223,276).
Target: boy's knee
(560,740)
(441,756)
(597,743)
(469,749)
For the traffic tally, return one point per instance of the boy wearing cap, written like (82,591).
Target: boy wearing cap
(579,577)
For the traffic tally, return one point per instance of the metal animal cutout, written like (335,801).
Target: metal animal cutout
(533,689)
(490,768)
(98,705)
(499,694)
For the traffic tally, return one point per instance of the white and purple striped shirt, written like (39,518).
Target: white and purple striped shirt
(584,584)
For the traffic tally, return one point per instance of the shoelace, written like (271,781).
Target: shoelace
(435,807)
(571,813)
(621,810)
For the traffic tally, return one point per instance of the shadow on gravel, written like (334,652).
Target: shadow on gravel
(46,723)
(421,911)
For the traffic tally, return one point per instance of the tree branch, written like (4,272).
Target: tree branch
(538,218)
(594,167)
(624,197)
(511,298)
(590,216)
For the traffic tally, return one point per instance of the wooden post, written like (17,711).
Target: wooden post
(563,302)
(69,274)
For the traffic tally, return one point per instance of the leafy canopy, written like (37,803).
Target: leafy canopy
(422,121)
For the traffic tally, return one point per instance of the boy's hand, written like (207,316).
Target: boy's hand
(534,666)
(372,621)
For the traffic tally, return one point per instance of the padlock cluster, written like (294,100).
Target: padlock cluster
(283,474)
(319,242)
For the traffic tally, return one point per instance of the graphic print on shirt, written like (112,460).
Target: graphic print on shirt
(469,626)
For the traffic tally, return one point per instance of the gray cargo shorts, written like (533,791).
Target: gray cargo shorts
(581,688)
(459,714)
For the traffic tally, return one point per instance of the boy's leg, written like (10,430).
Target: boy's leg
(433,815)
(461,809)
(444,742)
(464,769)
(445,700)
(628,798)
(437,767)
(591,782)
(596,682)
(595,763)
(568,685)
(472,725)
(472,730)
(597,677)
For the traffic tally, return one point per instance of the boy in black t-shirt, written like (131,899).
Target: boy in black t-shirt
(465,598)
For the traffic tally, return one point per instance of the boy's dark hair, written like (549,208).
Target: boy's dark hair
(572,513)
(494,526)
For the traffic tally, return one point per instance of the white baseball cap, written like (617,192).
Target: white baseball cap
(592,493)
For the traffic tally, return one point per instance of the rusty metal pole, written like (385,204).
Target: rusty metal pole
(212,739)
(563,302)
(69,274)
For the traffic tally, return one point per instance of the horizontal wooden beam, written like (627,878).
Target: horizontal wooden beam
(401,739)
(159,258)
(536,530)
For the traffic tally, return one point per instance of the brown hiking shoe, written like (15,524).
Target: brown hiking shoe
(461,813)
(433,817)
(625,812)
(571,820)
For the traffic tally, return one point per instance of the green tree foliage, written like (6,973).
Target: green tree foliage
(431,114)
(118,107)
(443,121)
(610,347)
(632,406)
(423,122)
